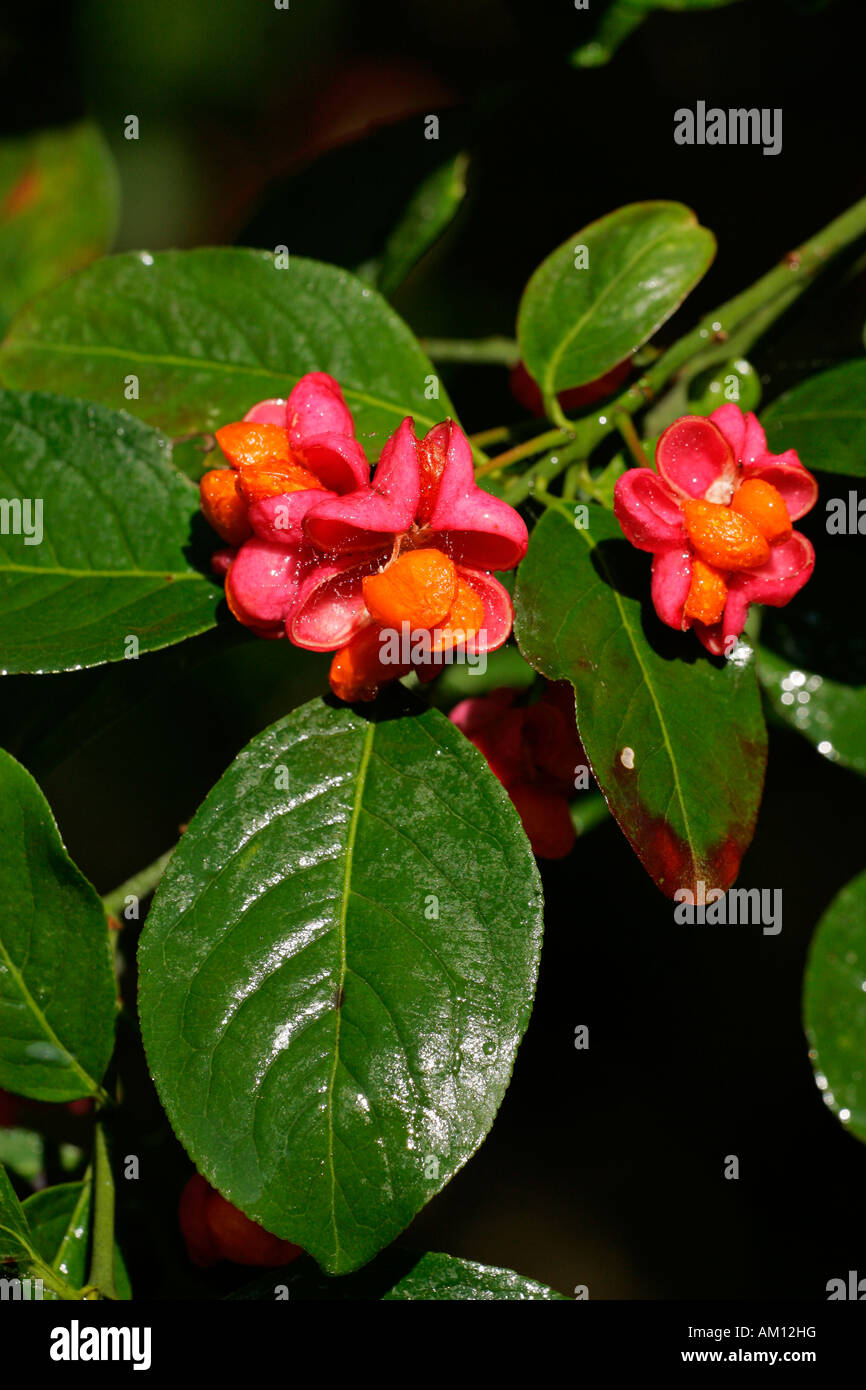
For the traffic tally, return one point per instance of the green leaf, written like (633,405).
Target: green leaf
(59,1219)
(426,216)
(115,531)
(395,1276)
(574,323)
(447,1278)
(834,1005)
(58,209)
(824,419)
(210,332)
(57,991)
(14,1231)
(23,1152)
(828,713)
(675,738)
(336,972)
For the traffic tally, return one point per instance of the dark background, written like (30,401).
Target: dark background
(305,127)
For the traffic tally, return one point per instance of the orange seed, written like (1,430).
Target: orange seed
(707,595)
(464,618)
(418,589)
(223,506)
(244,443)
(764,506)
(357,670)
(257,481)
(723,538)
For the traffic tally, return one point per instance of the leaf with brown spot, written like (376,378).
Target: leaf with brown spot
(676,739)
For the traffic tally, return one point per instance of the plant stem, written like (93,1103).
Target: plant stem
(588,811)
(138,886)
(497,435)
(526,450)
(102,1257)
(616,24)
(625,425)
(752,311)
(35,1265)
(565,509)
(536,478)
(572,481)
(499,351)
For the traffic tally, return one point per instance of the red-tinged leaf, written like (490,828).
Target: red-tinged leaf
(676,739)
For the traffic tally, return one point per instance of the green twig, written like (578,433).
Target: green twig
(572,480)
(631,438)
(498,351)
(139,886)
(497,435)
(752,311)
(526,450)
(617,23)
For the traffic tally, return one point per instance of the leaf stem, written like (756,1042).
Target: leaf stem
(139,886)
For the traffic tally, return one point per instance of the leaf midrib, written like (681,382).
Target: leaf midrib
(558,353)
(8,568)
(588,540)
(38,345)
(360,781)
(68,1238)
(93,1087)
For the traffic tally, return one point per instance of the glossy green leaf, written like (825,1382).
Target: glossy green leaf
(58,209)
(824,419)
(110,524)
(210,332)
(14,1231)
(427,215)
(444,1278)
(576,323)
(59,1219)
(675,738)
(828,713)
(395,1276)
(57,992)
(834,1005)
(336,972)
